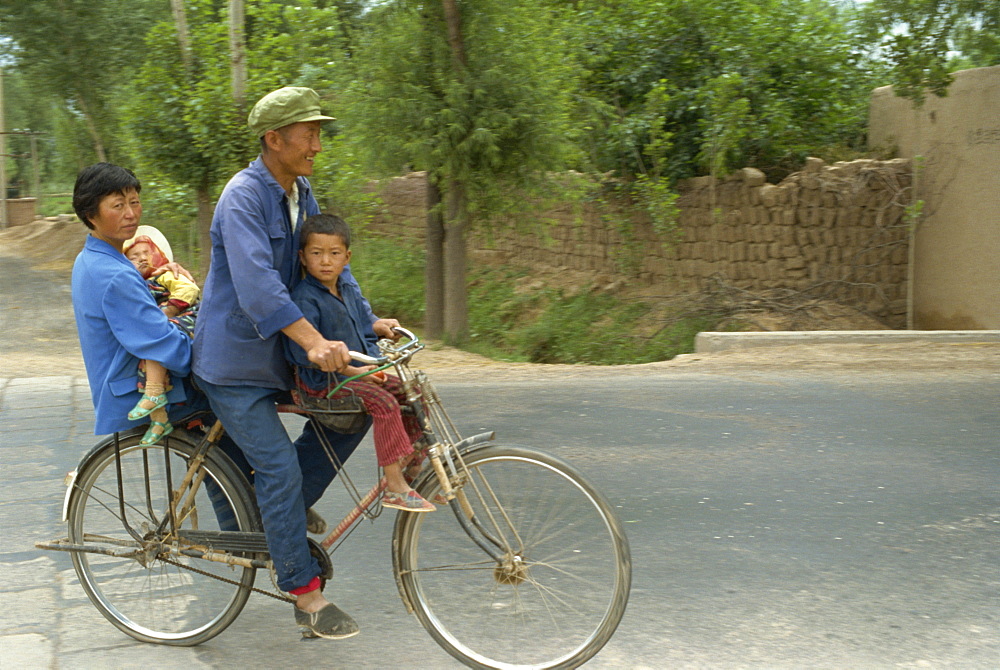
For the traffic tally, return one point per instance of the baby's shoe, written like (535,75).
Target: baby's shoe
(153,436)
(139,412)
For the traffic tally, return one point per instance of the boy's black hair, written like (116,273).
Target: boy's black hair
(325,224)
(97,181)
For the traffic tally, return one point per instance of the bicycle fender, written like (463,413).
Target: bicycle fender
(475,440)
(70,479)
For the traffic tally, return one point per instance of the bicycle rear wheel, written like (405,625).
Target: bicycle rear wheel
(564,586)
(158,596)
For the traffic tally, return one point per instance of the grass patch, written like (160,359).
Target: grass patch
(391,277)
(496,311)
(601,329)
(549,326)
(509,320)
(54,205)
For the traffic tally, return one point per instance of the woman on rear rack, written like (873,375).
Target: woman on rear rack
(117,317)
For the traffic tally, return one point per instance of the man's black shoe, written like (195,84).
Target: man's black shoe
(331,623)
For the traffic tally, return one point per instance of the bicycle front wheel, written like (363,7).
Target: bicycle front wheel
(561,589)
(158,595)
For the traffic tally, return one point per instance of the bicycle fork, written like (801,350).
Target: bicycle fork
(445,455)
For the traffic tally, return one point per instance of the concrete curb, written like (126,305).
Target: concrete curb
(711,342)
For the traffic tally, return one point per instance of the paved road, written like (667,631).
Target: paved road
(777,520)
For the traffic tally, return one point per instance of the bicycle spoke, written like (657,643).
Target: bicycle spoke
(559,590)
(159,597)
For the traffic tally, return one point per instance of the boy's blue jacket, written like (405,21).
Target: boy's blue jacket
(348,319)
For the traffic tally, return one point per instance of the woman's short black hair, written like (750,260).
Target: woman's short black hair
(325,224)
(97,181)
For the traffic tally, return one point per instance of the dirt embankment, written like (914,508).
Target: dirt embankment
(38,337)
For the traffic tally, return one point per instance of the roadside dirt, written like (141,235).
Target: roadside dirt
(38,334)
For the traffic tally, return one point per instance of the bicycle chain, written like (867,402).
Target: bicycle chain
(282,598)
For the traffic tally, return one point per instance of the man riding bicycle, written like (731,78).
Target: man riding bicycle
(238,358)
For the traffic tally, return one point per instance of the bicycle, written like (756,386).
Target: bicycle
(531,569)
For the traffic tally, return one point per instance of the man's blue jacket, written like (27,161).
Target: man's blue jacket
(246,300)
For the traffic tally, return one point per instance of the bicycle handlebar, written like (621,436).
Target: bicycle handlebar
(413,343)
(365,358)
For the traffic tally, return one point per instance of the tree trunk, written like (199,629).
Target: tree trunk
(203,222)
(456,310)
(95,134)
(237,52)
(434,262)
(183,36)
(453,19)
(204,227)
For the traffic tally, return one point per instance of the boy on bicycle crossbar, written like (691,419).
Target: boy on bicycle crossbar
(335,309)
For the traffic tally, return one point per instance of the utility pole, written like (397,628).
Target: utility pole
(36,188)
(3,160)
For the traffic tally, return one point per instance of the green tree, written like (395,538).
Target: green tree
(732,83)
(187,126)
(476,94)
(25,109)
(80,51)
(926,40)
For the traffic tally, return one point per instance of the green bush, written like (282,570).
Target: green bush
(539,326)
(496,310)
(600,329)
(391,277)
(54,205)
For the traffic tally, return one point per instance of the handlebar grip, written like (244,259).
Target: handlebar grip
(364,358)
(407,334)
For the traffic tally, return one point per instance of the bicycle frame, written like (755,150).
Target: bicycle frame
(446,447)
(558,590)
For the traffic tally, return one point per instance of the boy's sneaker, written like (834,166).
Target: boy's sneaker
(407,502)
(410,474)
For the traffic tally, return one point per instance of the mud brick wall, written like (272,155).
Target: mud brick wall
(836,232)
(20,211)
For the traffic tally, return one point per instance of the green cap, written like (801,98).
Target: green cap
(288,105)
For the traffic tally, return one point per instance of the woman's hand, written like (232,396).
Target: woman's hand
(176,268)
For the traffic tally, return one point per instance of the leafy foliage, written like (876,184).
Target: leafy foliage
(494,124)
(737,83)
(185,124)
(926,40)
(73,64)
(77,53)
(391,277)
(640,92)
(479,98)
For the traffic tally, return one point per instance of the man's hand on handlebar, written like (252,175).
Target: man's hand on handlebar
(329,356)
